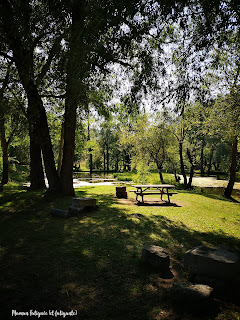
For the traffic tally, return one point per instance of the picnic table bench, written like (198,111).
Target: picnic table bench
(148,189)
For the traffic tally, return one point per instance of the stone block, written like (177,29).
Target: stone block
(74,211)
(59,213)
(215,263)
(84,202)
(156,257)
(186,292)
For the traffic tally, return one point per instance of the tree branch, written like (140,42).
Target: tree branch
(46,66)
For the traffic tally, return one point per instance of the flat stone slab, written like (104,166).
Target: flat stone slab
(217,263)
(84,202)
(156,257)
(190,293)
(74,211)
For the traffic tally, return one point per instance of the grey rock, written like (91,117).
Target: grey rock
(74,211)
(190,293)
(156,257)
(215,263)
(218,284)
(59,213)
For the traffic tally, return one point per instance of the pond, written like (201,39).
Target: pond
(85,179)
(211,182)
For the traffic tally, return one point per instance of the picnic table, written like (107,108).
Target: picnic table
(148,189)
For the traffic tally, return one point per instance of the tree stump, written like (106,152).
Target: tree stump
(121,192)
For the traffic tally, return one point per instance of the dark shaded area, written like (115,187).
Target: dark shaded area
(92,263)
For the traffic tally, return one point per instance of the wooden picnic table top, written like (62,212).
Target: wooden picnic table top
(153,186)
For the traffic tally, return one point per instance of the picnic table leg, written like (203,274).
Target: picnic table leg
(168,196)
(161,193)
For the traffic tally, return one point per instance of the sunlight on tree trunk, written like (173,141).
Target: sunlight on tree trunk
(228,190)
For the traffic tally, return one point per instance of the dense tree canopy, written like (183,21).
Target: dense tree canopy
(61,59)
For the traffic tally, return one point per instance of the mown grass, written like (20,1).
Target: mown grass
(150,177)
(91,263)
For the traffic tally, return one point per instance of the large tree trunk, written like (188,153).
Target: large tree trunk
(60,153)
(74,94)
(4,145)
(228,190)
(66,175)
(36,168)
(37,118)
(38,125)
(182,164)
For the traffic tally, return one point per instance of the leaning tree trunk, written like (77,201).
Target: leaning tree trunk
(182,164)
(60,153)
(4,145)
(38,123)
(228,190)
(159,167)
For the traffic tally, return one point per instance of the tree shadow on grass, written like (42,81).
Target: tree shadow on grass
(91,263)
(216,193)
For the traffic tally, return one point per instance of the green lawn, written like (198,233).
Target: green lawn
(92,263)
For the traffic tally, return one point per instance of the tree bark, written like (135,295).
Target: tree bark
(40,134)
(36,114)
(4,145)
(66,175)
(104,160)
(60,153)
(116,163)
(36,168)
(182,164)
(107,156)
(75,93)
(210,160)
(159,167)
(202,158)
(228,190)
(189,185)
(90,149)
